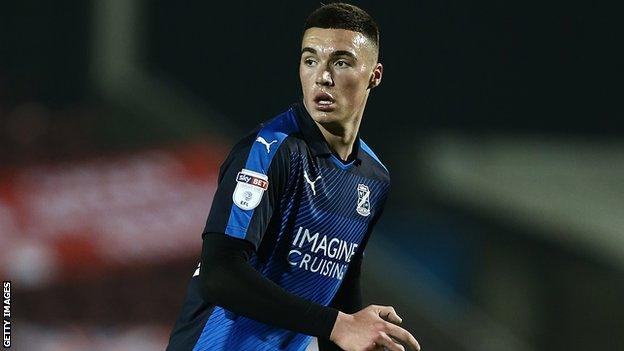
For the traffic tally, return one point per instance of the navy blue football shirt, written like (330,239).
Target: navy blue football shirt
(306,212)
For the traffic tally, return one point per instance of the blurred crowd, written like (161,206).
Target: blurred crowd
(33,130)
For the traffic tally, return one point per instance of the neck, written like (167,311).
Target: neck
(341,138)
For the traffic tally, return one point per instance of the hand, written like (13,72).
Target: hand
(372,328)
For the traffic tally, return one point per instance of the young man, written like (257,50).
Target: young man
(296,203)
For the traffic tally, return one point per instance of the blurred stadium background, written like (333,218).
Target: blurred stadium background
(498,121)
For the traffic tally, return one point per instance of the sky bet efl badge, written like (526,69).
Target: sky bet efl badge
(250,187)
(363,202)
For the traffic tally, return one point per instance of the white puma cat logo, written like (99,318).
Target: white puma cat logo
(312,185)
(266,143)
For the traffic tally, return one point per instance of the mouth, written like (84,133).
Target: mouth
(324,102)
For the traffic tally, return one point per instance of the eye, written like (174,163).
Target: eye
(342,63)
(309,62)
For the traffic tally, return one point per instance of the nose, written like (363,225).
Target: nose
(325,78)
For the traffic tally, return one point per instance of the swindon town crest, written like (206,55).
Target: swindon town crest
(363,201)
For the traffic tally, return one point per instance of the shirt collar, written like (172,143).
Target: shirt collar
(315,139)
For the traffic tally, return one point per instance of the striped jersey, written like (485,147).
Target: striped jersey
(306,212)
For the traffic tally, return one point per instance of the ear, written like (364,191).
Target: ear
(375,78)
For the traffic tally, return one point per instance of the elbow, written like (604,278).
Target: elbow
(213,278)
(208,287)
(223,264)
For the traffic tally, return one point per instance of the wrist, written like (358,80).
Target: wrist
(340,326)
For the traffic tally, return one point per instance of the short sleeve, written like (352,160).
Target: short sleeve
(250,185)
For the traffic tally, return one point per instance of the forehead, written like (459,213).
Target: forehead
(327,40)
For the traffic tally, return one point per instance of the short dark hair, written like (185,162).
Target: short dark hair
(339,15)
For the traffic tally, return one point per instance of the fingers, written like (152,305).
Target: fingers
(402,335)
(388,344)
(389,314)
(392,330)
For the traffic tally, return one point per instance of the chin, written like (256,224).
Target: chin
(324,117)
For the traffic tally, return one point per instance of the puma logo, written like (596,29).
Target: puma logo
(261,140)
(312,183)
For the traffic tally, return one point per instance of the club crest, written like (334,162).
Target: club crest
(363,201)
(250,187)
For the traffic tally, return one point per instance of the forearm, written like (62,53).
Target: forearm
(348,299)
(230,282)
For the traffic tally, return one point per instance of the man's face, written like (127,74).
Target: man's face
(337,69)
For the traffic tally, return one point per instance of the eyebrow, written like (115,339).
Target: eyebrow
(333,54)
